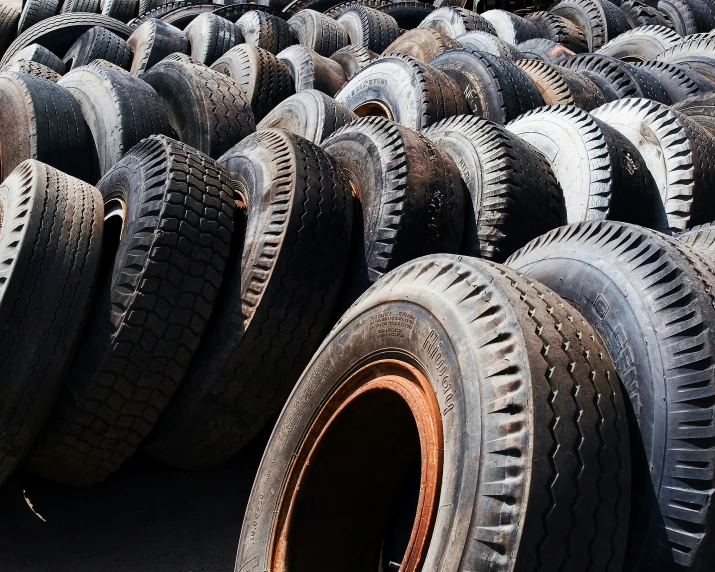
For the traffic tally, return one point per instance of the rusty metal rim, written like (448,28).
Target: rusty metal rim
(373,108)
(414,388)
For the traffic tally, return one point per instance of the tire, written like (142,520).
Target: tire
(41,121)
(514,196)
(264,79)
(494,88)
(310,70)
(650,300)
(299,217)
(268,32)
(625,80)
(411,202)
(336,11)
(544,50)
(50,251)
(408,14)
(422,44)
(678,81)
(676,151)
(88,6)
(122,10)
(687,16)
(485,42)
(600,20)
(561,86)
(353,58)
(701,238)
(370,28)
(640,44)
(120,111)
(639,14)
(98,44)
(32,68)
(696,52)
(233,12)
(453,22)
(405,90)
(9,19)
(34,11)
(152,42)
(559,30)
(41,55)
(210,37)
(441,327)
(699,108)
(318,32)
(511,28)
(58,33)
(149,5)
(602,175)
(309,114)
(172,234)
(180,12)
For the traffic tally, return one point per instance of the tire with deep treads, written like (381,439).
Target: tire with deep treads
(368,27)
(353,58)
(34,11)
(9,18)
(560,30)
(678,81)
(91,6)
(453,21)
(32,68)
(98,44)
(41,55)
(640,44)
(600,20)
(210,37)
(699,108)
(122,10)
(696,52)
(687,16)
(265,31)
(318,32)
(701,238)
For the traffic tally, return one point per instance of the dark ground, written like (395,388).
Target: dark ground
(145,518)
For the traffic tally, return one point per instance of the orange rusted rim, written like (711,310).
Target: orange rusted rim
(336,499)
(373,108)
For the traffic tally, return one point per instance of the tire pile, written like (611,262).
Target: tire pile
(470,257)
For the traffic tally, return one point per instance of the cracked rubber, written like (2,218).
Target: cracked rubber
(600,20)
(266,31)
(422,44)
(98,44)
(511,28)
(318,32)
(368,27)
(559,30)
(310,70)
(453,21)
(640,44)
(152,42)
(41,55)
(210,37)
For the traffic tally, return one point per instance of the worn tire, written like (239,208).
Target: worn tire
(120,111)
(453,22)
(559,30)
(408,14)
(514,195)
(511,28)
(696,52)
(98,44)
(34,11)
(265,80)
(310,114)
(678,81)
(699,108)
(41,55)
(310,70)
(89,6)
(353,58)
(169,210)
(544,50)
(122,10)
(152,42)
(640,14)
(207,109)
(266,31)
(368,27)
(31,68)
(210,37)
(50,246)
(640,44)
(494,88)
(531,437)
(318,32)
(422,44)
(601,173)
(485,42)
(299,217)
(678,153)
(701,238)
(600,20)
(687,16)
(650,300)
(41,120)
(9,18)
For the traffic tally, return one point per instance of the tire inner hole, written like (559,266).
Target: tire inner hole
(114,217)
(373,109)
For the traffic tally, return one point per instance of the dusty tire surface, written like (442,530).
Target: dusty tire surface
(701,238)
(98,44)
(318,32)
(152,42)
(299,216)
(696,52)
(41,55)
(353,58)
(453,21)
(699,108)
(266,31)
(486,42)
(32,68)
(511,28)
(678,81)
(34,11)
(154,300)
(310,70)
(210,37)
(639,14)
(649,298)
(50,244)
(122,10)
(91,6)
(368,27)
(600,20)
(687,16)
(426,324)
(640,44)
(560,30)
(422,44)
(9,18)
(545,50)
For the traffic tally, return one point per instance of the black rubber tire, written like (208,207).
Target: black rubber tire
(699,108)
(265,31)
(511,28)
(122,10)
(678,153)
(513,193)
(453,22)
(408,14)
(50,251)
(34,11)
(353,58)
(154,301)
(299,217)
(422,44)
(152,42)
(561,86)
(498,351)
(318,32)
(696,52)
(404,90)
(89,6)
(640,44)
(678,81)
(41,120)
(700,238)
(650,300)
(119,109)
(265,80)
(625,80)
(310,70)
(368,27)
(58,33)
(639,14)
(494,88)
(687,16)
(600,20)
(9,18)
(210,37)
(485,42)
(41,55)
(602,175)
(336,11)
(559,30)
(233,12)
(409,201)
(544,50)
(98,44)
(310,114)
(149,5)
(31,68)
(174,11)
